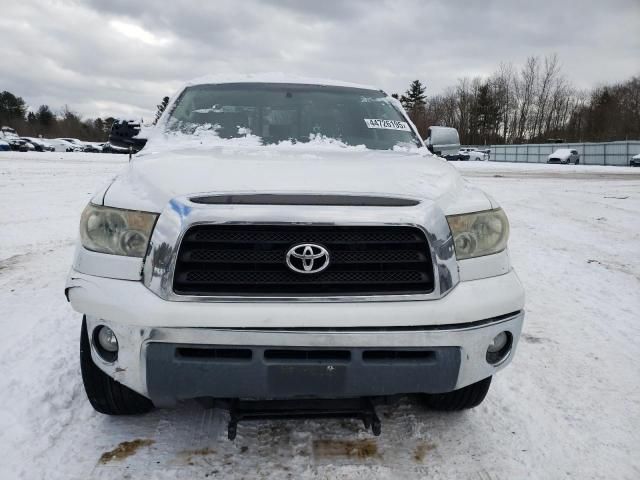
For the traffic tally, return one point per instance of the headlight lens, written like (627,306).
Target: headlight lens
(116,231)
(478,234)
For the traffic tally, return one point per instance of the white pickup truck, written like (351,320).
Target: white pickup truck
(283,238)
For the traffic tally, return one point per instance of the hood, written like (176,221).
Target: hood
(152,179)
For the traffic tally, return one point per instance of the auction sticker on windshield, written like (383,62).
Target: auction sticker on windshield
(386,124)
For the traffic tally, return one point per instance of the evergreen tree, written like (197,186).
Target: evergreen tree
(485,113)
(414,100)
(45,116)
(161,107)
(12,108)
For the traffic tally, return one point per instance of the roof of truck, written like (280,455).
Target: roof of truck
(274,78)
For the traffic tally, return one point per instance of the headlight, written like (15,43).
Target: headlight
(116,231)
(480,233)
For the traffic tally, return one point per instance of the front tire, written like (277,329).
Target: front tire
(468,397)
(104,393)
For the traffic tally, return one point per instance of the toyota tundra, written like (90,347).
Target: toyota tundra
(290,238)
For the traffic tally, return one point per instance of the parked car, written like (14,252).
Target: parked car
(455,157)
(4,146)
(475,154)
(80,145)
(39,144)
(7,133)
(564,155)
(20,145)
(635,161)
(10,136)
(61,145)
(313,258)
(95,147)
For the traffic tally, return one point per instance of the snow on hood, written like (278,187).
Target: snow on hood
(150,181)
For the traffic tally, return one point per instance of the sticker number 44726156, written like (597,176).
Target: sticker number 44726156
(386,124)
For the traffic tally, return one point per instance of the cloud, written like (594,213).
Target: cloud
(121,57)
(135,32)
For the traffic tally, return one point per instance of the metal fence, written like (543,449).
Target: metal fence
(608,153)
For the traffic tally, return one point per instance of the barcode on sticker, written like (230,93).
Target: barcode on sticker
(386,124)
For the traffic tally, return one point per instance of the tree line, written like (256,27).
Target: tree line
(44,122)
(531,104)
(15,113)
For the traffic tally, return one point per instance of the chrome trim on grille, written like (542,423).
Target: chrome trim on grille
(181,214)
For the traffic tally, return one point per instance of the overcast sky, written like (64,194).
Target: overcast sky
(120,57)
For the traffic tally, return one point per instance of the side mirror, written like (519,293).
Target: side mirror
(443,140)
(124,134)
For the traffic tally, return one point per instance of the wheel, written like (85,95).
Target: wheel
(577,161)
(104,393)
(462,399)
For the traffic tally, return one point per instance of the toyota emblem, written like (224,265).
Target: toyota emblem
(307,258)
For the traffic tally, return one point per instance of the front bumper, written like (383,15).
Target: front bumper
(171,351)
(172,364)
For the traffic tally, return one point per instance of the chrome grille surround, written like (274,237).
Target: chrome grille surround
(181,214)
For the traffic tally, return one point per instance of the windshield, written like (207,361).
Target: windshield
(274,113)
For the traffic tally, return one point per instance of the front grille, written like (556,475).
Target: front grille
(250,260)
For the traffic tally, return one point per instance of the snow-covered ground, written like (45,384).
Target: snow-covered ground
(568,406)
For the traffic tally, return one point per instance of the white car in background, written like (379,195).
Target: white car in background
(564,155)
(79,144)
(61,145)
(635,161)
(475,154)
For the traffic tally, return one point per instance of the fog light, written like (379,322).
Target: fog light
(107,339)
(105,343)
(499,348)
(498,343)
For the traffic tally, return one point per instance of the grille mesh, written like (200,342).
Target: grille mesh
(250,260)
